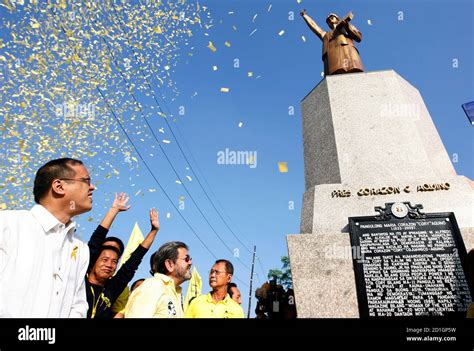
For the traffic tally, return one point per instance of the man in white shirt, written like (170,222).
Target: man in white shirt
(42,262)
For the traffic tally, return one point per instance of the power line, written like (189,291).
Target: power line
(171,129)
(149,170)
(164,153)
(145,163)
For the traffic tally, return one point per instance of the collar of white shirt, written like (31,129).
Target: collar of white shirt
(49,222)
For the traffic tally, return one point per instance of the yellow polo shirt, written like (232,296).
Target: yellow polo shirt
(157,297)
(205,307)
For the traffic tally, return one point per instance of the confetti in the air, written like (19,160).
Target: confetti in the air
(211,46)
(227,44)
(282,167)
(240,124)
(254,18)
(303,38)
(369,22)
(269,8)
(249,74)
(166,141)
(225,90)
(281,33)
(252,33)
(214,68)
(53,62)
(168,215)
(189,178)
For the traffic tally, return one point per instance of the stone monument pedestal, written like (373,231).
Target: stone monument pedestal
(368,140)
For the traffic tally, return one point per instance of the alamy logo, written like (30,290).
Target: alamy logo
(37,334)
(230,157)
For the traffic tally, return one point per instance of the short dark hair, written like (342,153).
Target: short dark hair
(167,251)
(111,248)
(134,284)
(115,240)
(54,169)
(229,288)
(229,268)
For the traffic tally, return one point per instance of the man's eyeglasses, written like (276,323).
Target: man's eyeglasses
(186,259)
(216,271)
(84,180)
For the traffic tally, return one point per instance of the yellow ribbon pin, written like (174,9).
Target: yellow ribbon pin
(74,252)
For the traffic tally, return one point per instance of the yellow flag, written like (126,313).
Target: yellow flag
(194,288)
(136,238)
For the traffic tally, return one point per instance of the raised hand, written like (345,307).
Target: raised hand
(154,220)
(120,202)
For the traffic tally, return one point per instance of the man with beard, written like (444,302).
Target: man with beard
(218,303)
(160,296)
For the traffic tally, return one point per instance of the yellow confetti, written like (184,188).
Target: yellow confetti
(283,167)
(227,44)
(249,74)
(34,24)
(157,29)
(214,68)
(3,207)
(225,90)
(212,47)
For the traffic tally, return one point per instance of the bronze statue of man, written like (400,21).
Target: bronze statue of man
(339,52)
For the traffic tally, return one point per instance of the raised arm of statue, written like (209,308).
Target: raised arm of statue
(312,25)
(354,33)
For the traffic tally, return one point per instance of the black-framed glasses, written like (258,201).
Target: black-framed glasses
(186,259)
(84,180)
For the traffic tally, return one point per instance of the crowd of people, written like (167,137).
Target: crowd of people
(47,272)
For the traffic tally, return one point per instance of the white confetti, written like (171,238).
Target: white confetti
(240,124)
(281,33)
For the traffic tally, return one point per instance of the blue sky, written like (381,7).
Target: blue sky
(429,43)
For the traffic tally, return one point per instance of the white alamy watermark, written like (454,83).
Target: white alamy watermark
(392,110)
(37,334)
(335,252)
(239,157)
(75,110)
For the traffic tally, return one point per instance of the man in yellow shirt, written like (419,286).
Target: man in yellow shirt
(160,296)
(218,303)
